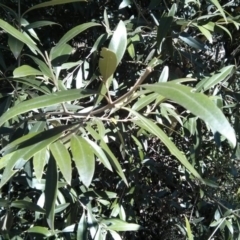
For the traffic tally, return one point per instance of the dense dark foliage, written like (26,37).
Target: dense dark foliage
(185,40)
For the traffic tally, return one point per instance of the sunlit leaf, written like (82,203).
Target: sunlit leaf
(124,4)
(39,161)
(114,162)
(119,225)
(25,70)
(39,24)
(63,160)
(52,3)
(44,101)
(118,42)
(219,7)
(164,74)
(189,231)
(222,75)
(83,156)
(42,66)
(107,63)
(100,154)
(40,230)
(27,205)
(18,35)
(199,104)
(82,228)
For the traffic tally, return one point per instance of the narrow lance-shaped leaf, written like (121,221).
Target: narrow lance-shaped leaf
(52,3)
(83,157)
(82,228)
(17,34)
(104,146)
(220,9)
(27,149)
(40,230)
(119,225)
(223,75)
(152,128)
(39,161)
(99,153)
(197,103)
(27,205)
(118,42)
(42,66)
(44,101)
(35,83)
(75,31)
(63,160)
(39,24)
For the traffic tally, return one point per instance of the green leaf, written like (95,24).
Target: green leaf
(59,55)
(222,75)
(164,75)
(36,84)
(27,205)
(119,225)
(40,230)
(14,145)
(189,231)
(27,149)
(74,32)
(107,63)
(63,160)
(220,9)
(173,10)
(152,128)
(104,146)
(25,70)
(124,4)
(39,24)
(20,36)
(91,220)
(131,49)
(52,3)
(42,66)
(118,42)
(82,228)
(205,32)
(224,29)
(44,101)
(115,235)
(144,101)
(51,191)
(199,104)
(83,157)
(39,161)
(15,46)
(100,154)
